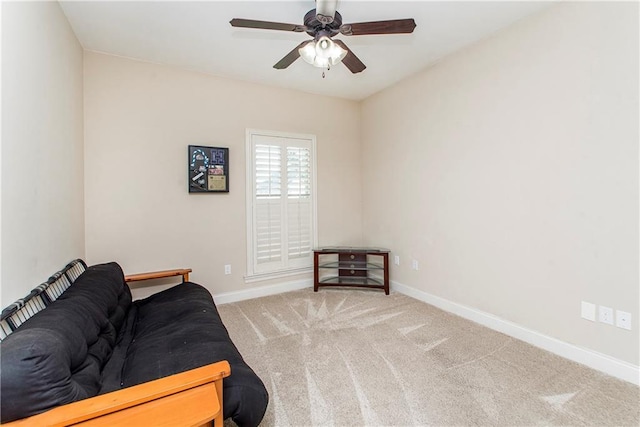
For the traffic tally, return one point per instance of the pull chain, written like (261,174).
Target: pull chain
(328,68)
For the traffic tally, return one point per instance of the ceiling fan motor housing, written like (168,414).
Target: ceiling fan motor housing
(315,26)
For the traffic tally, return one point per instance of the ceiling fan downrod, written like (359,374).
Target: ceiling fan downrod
(325,11)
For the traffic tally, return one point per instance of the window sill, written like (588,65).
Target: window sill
(259,277)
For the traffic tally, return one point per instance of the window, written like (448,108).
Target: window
(281,214)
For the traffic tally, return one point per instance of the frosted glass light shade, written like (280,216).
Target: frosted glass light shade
(322,53)
(308,52)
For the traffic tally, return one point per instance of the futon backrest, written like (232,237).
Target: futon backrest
(57,356)
(17,313)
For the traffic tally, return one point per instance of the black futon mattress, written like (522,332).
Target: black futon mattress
(94,339)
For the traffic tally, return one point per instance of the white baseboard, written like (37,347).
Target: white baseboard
(262,291)
(601,362)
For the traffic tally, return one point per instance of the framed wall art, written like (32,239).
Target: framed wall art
(208,169)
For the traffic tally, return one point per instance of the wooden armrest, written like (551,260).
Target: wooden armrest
(150,400)
(184,272)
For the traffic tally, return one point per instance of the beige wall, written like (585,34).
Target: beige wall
(139,120)
(42,170)
(511,174)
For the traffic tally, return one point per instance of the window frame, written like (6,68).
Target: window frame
(253,272)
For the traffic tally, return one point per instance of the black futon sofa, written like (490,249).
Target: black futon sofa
(93,339)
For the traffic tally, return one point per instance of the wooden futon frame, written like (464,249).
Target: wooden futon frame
(190,398)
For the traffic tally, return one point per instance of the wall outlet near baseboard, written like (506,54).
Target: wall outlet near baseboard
(227,269)
(623,319)
(396,260)
(414,264)
(605,315)
(588,311)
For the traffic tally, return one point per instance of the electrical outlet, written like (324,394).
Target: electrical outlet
(605,315)
(396,260)
(623,319)
(414,264)
(588,311)
(227,269)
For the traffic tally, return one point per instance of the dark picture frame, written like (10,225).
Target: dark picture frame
(208,169)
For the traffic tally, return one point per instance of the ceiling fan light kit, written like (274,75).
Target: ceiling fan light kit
(322,53)
(323,23)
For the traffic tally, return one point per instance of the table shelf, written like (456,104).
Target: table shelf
(352,265)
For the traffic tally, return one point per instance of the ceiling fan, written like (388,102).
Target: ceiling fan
(323,23)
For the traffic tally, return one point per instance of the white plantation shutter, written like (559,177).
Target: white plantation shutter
(299,218)
(268,200)
(268,170)
(268,231)
(280,207)
(299,229)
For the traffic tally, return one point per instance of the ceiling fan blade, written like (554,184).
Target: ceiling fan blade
(395,26)
(290,57)
(266,25)
(351,61)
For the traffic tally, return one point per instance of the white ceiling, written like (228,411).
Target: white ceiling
(197,36)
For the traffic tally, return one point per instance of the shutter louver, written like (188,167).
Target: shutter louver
(268,218)
(298,202)
(268,170)
(298,172)
(268,231)
(299,228)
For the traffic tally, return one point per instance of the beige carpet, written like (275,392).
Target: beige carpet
(358,357)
